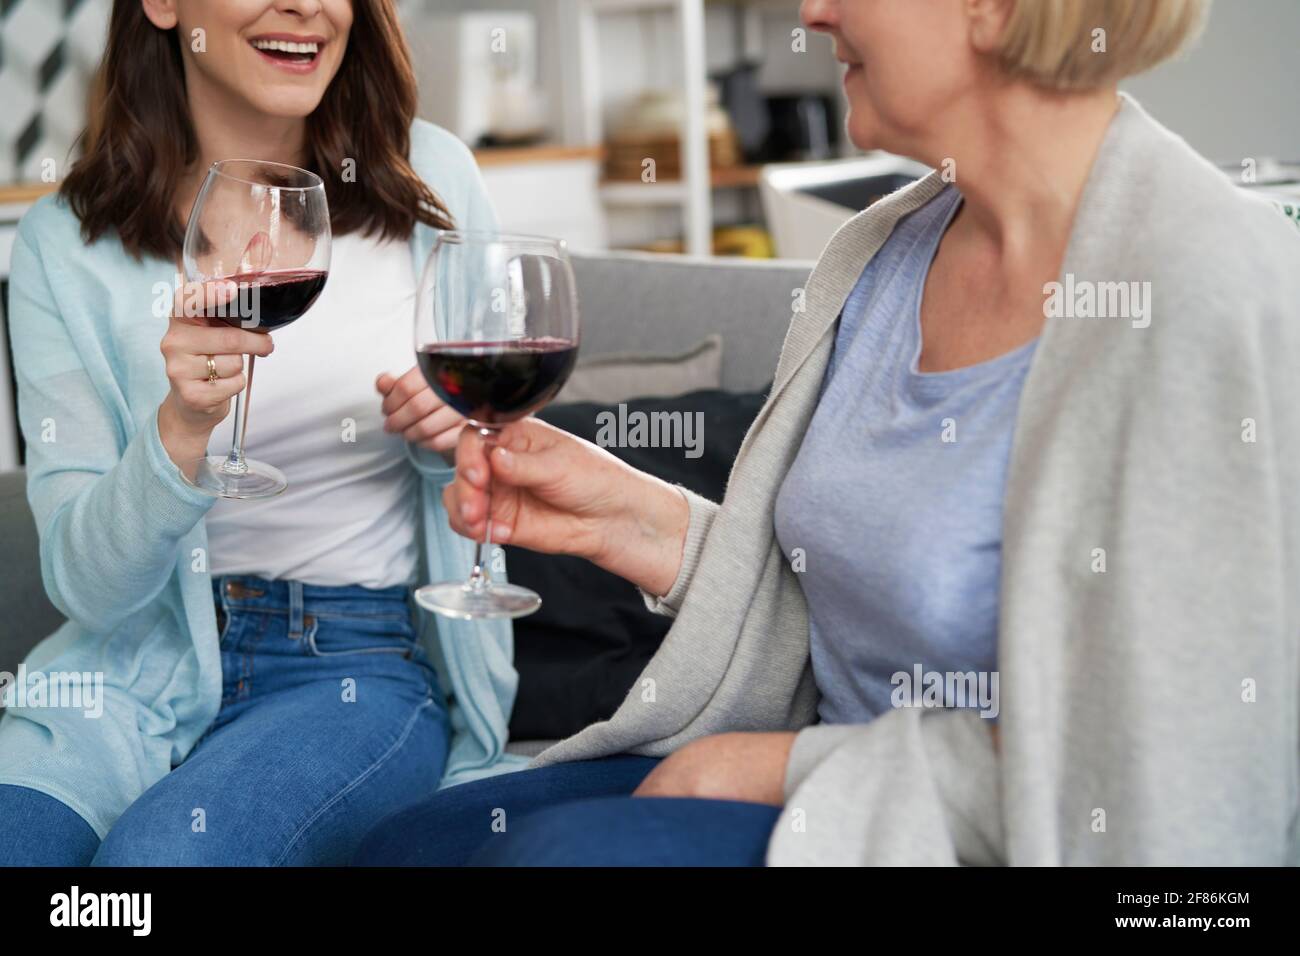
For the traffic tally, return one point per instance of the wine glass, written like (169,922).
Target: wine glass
(496,335)
(266,228)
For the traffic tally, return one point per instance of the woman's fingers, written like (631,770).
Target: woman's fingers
(185,339)
(411,408)
(226,365)
(419,407)
(205,396)
(526,455)
(445,442)
(193,301)
(471,463)
(468,505)
(402,389)
(467,510)
(450,501)
(430,426)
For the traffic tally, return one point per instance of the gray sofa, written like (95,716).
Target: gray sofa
(630,303)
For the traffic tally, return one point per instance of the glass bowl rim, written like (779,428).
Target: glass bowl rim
(219,168)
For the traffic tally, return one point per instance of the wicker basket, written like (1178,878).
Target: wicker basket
(626,154)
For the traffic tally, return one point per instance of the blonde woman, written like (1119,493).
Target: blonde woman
(1006,567)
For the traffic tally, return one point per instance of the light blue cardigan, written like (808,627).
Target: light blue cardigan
(123,541)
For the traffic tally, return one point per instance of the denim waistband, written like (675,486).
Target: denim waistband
(248,592)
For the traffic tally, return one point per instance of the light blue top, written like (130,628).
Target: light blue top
(123,543)
(895,497)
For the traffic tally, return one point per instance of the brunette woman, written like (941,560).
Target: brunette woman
(269,690)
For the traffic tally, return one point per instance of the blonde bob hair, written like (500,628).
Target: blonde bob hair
(1088,44)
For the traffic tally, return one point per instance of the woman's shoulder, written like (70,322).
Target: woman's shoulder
(440,157)
(51,251)
(448,167)
(1184,220)
(49,224)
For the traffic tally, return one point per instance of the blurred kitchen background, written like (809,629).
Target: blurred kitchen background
(565,101)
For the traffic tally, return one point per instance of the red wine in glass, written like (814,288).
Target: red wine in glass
(496,336)
(265,227)
(498,382)
(266,301)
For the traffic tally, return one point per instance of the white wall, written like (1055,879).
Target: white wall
(1237,94)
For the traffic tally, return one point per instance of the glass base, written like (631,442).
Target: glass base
(260,480)
(459,599)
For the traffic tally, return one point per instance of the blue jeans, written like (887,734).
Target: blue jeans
(331,719)
(573,814)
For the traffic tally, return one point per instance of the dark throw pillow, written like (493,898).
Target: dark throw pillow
(580,653)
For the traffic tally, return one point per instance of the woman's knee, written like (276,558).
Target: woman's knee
(596,832)
(39,830)
(448,828)
(148,836)
(636,831)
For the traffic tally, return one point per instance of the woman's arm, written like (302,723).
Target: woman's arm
(109,517)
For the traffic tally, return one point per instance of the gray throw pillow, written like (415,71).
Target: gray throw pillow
(619,376)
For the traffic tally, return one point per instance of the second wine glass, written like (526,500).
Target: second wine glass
(496,335)
(265,227)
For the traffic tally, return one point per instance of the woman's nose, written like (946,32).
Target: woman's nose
(304,8)
(820,15)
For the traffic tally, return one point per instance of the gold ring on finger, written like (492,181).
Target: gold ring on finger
(212,371)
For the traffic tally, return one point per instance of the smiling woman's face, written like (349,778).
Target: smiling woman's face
(278,56)
(907,60)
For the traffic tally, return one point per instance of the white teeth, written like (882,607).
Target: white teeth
(284,46)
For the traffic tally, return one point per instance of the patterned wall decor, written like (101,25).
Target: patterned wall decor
(48,51)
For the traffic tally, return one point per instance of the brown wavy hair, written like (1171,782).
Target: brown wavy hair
(140,139)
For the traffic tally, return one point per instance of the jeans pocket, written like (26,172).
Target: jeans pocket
(339,637)
(224,622)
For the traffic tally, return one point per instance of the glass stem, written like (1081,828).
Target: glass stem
(480,578)
(235,464)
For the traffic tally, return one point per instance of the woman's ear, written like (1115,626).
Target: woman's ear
(988,19)
(161,13)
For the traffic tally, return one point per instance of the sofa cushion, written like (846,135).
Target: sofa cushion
(28,614)
(608,379)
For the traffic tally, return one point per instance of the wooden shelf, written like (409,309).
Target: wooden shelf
(549,153)
(635,192)
(736,177)
(630,192)
(25,192)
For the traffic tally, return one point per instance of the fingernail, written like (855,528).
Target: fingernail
(500,533)
(505,458)
(473,475)
(464,510)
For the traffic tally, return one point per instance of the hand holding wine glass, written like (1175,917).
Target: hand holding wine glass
(556,493)
(195,405)
(496,336)
(265,229)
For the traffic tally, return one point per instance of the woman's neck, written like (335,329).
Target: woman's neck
(1023,157)
(225,128)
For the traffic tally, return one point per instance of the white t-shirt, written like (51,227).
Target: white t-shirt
(349,513)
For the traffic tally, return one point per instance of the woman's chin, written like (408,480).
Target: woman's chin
(863,132)
(291,104)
